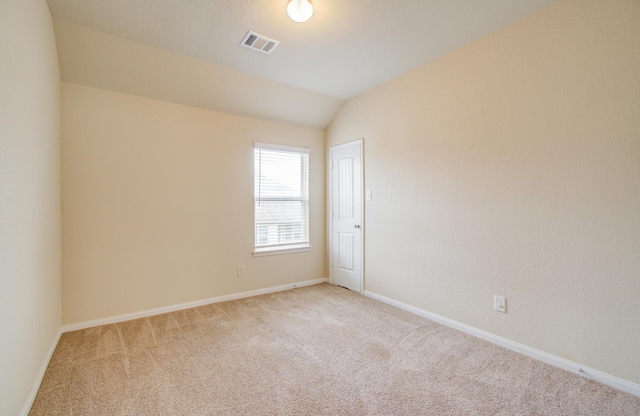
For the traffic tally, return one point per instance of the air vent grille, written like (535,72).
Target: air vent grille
(259,43)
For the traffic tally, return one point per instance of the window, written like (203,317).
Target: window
(281,194)
(262,231)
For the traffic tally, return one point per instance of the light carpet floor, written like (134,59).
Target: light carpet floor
(318,350)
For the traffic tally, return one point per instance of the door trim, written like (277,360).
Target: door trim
(360,143)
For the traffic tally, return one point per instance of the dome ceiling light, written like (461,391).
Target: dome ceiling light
(300,10)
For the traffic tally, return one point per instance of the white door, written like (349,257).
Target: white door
(346,254)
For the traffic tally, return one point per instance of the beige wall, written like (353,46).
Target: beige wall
(158,204)
(512,166)
(29,197)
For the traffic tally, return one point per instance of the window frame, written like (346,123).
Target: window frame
(283,248)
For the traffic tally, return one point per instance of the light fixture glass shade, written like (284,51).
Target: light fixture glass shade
(300,10)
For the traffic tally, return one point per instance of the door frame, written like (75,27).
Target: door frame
(360,144)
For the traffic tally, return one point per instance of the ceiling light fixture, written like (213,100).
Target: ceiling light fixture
(300,10)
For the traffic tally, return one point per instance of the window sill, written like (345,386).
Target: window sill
(273,251)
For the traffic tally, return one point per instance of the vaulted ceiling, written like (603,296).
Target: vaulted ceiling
(189,51)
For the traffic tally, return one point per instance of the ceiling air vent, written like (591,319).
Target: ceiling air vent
(259,43)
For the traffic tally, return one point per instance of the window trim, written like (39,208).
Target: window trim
(277,249)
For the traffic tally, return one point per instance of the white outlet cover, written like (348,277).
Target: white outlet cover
(500,303)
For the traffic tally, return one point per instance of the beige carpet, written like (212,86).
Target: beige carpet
(319,350)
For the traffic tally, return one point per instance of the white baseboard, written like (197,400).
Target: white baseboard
(596,375)
(188,305)
(43,369)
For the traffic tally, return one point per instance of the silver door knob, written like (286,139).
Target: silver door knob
(356,226)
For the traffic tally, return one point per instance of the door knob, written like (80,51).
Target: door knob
(356,226)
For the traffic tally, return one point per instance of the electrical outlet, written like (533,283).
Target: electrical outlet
(500,303)
(240,271)
(41,326)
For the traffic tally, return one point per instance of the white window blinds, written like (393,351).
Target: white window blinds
(281,192)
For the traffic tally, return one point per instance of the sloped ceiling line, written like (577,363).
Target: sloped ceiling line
(345,49)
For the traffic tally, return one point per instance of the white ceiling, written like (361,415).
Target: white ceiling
(347,47)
